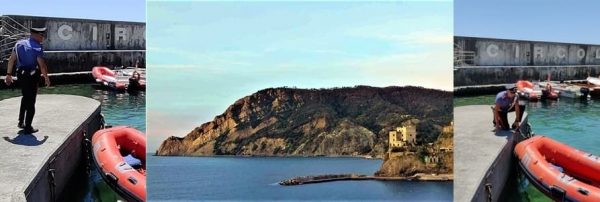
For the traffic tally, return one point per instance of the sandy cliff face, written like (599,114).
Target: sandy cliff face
(308,122)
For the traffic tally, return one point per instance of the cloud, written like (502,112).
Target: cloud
(420,38)
(429,69)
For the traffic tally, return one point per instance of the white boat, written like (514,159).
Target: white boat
(593,80)
(567,90)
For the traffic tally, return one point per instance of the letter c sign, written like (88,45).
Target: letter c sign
(65,32)
(492,50)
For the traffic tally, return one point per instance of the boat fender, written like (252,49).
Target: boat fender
(582,191)
(592,157)
(132,180)
(112,177)
(558,193)
(124,167)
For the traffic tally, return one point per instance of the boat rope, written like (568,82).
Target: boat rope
(488,190)
(51,182)
(102,121)
(87,144)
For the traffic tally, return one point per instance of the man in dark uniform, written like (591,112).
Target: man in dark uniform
(507,101)
(27,56)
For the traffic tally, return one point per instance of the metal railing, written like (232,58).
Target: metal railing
(464,58)
(10,32)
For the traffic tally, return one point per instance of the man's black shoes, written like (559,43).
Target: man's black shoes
(21,125)
(30,130)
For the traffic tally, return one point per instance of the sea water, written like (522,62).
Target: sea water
(256,178)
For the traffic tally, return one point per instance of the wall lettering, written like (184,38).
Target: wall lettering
(95,33)
(65,32)
(120,33)
(580,53)
(538,52)
(492,50)
(561,52)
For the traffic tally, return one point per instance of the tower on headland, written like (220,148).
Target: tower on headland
(403,136)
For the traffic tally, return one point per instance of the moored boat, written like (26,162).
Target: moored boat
(526,90)
(570,90)
(558,170)
(119,153)
(130,79)
(108,78)
(593,81)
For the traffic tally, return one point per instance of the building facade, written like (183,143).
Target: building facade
(403,136)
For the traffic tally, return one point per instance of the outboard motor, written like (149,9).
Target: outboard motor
(585,92)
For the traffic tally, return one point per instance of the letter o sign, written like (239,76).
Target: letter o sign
(65,32)
(580,53)
(562,53)
(492,50)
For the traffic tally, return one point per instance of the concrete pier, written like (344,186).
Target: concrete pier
(37,167)
(482,157)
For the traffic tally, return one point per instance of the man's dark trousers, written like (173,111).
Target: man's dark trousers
(504,116)
(29,87)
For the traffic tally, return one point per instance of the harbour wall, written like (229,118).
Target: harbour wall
(485,61)
(76,45)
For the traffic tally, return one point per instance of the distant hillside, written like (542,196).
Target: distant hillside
(308,122)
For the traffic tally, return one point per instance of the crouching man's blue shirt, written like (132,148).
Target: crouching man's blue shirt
(28,50)
(504,101)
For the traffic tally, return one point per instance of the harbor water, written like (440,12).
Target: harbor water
(570,121)
(256,178)
(118,109)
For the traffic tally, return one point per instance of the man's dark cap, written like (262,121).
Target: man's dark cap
(37,30)
(513,89)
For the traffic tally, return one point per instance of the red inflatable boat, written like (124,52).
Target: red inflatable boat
(108,78)
(559,171)
(526,89)
(114,150)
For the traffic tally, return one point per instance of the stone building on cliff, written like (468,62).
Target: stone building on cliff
(402,137)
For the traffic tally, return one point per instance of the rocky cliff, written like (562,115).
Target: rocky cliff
(408,164)
(309,122)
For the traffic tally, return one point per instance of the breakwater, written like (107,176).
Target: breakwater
(342,177)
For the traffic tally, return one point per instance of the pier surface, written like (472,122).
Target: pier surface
(31,162)
(482,157)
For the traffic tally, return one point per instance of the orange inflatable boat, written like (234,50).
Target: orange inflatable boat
(526,89)
(119,153)
(561,172)
(107,77)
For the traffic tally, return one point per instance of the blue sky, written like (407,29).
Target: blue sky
(129,10)
(203,56)
(540,20)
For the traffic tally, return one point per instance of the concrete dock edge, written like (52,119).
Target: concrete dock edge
(41,172)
